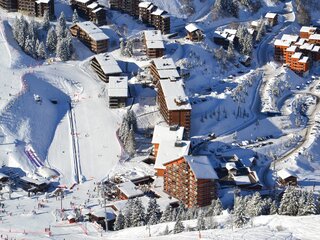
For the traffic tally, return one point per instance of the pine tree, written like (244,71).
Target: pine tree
(262,30)
(201,224)
(230,52)
(63,51)
(120,222)
(22,32)
(217,210)
(41,51)
(273,208)
(310,205)
(137,217)
(128,213)
(167,214)
(122,47)
(255,205)
(51,40)
(75,16)
(33,29)
(178,227)
(153,213)
(29,46)
(130,144)
(166,230)
(289,204)
(181,211)
(239,215)
(46,20)
(61,28)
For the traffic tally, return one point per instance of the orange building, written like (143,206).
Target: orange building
(192,180)
(306,31)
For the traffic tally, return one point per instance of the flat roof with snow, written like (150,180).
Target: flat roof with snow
(158,12)
(314,37)
(201,167)
(129,189)
(108,64)
(154,39)
(279,42)
(308,29)
(192,27)
(163,133)
(144,4)
(118,86)
(92,30)
(271,15)
(289,38)
(174,95)
(285,173)
(297,55)
(168,151)
(164,63)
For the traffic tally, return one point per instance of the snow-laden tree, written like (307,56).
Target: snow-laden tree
(29,46)
(231,52)
(262,30)
(239,215)
(51,40)
(180,211)
(166,231)
(289,204)
(245,40)
(153,213)
(167,214)
(130,143)
(225,8)
(255,205)
(62,49)
(75,16)
(137,216)
(201,224)
(41,51)
(122,47)
(21,31)
(310,207)
(214,209)
(128,213)
(120,222)
(178,227)
(273,208)
(33,29)
(46,20)
(61,28)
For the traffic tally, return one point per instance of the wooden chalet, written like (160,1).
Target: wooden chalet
(287,177)
(145,10)
(194,33)
(153,43)
(90,10)
(192,180)
(9,5)
(117,91)
(173,103)
(127,190)
(226,37)
(91,35)
(272,19)
(163,133)
(105,66)
(163,69)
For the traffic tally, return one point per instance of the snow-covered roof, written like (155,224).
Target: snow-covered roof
(97,9)
(290,38)
(251,31)
(144,4)
(2,175)
(300,42)
(297,55)
(305,59)
(158,12)
(271,15)
(230,31)
(47,172)
(307,46)
(314,37)
(192,27)
(169,151)
(93,5)
(307,29)
(154,39)
(255,23)
(108,64)
(174,95)
(93,31)
(43,1)
(231,165)
(164,63)
(34,181)
(118,86)
(279,42)
(163,133)
(242,180)
(201,167)
(285,173)
(291,49)
(129,189)
(83,1)
(316,49)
